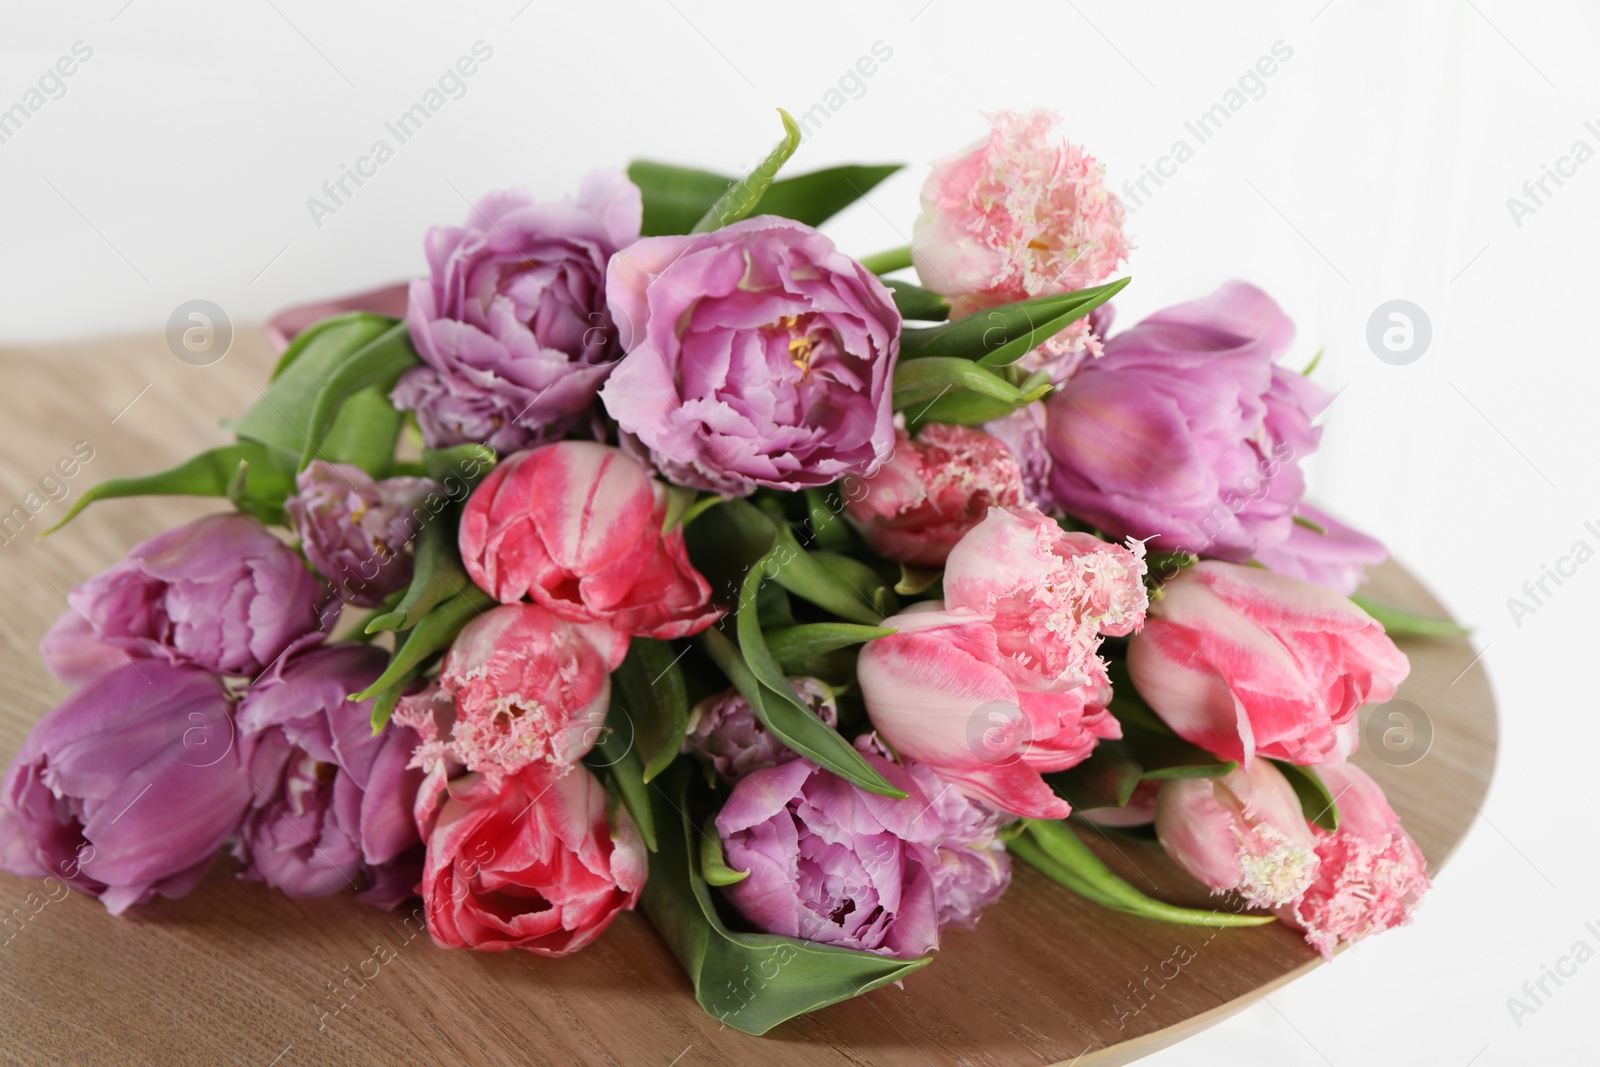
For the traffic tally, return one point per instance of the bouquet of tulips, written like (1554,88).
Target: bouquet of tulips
(652,551)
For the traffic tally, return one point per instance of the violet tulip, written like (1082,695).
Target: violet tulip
(129,788)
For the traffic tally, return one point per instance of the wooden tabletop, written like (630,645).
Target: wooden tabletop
(237,973)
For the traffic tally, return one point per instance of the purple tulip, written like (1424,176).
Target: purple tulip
(332,800)
(725,731)
(129,788)
(1337,557)
(1186,429)
(512,324)
(833,863)
(355,530)
(758,355)
(220,593)
(974,867)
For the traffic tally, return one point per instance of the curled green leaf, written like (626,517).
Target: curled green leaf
(742,196)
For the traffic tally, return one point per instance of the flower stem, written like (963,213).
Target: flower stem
(892,260)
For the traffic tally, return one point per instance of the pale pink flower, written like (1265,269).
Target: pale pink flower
(1243,832)
(1051,594)
(1017,215)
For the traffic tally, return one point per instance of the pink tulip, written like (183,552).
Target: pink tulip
(931,491)
(1371,874)
(1050,593)
(1244,832)
(528,862)
(1244,662)
(523,686)
(938,692)
(577,526)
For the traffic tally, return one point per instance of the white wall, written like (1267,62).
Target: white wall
(1376,165)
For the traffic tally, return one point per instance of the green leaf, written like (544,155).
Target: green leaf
(825,524)
(815,197)
(466,465)
(726,542)
(863,580)
(888,261)
(713,862)
(794,645)
(371,372)
(917,580)
(1395,621)
(260,480)
(675,198)
(1162,754)
(433,633)
(961,408)
(436,575)
(1319,804)
(924,380)
(616,753)
(918,304)
(751,982)
(742,196)
(804,574)
(282,417)
(1002,335)
(1106,779)
(364,434)
(789,722)
(1057,852)
(1314,527)
(648,686)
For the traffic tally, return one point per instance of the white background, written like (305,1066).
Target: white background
(1376,165)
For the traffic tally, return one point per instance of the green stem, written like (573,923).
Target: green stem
(1395,621)
(891,260)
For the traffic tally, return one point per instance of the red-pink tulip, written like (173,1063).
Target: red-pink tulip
(528,862)
(1244,832)
(939,692)
(522,686)
(932,490)
(1244,662)
(577,526)
(1051,594)
(1371,874)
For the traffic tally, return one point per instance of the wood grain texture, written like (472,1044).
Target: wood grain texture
(236,973)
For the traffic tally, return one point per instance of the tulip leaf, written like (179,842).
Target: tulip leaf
(436,575)
(917,303)
(259,480)
(806,576)
(915,581)
(794,645)
(1395,621)
(1318,803)
(726,542)
(675,198)
(466,464)
(432,633)
(1106,779)
(369,373)
(865,581)
(789,721)
(364,434)
(751,982)
(1000,336)
(741,198)
(826,527)
(1058,853)
(648,687)
(616,753)
(282,417)
(925,380)
(713,862)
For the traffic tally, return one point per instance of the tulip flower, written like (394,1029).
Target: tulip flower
(1185,430)
(356,530)
(220,593)
(526,862)
(577,526)
(1326,552)
(725,731)
(940,692)
(1244,663)
(332,801)
(932,491)
(511,322)
(129,788)
(1371,874)
(758,355)
(1244,832)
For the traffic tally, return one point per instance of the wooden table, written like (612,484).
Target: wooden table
(236,973)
